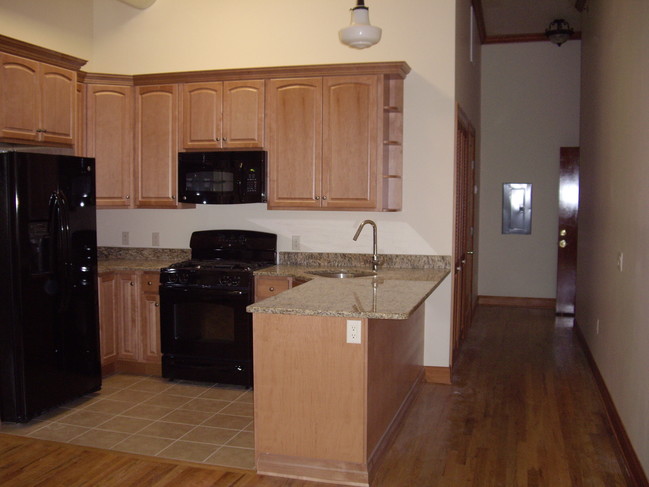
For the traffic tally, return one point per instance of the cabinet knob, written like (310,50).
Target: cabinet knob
(563,244)
(225,139)
(324,197)
(128,197)
(271,288)
(218,139)
(173,196)
(317,197)
(157,305)
(131,283)
(149,283)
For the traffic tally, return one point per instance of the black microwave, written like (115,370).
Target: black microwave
(223,177)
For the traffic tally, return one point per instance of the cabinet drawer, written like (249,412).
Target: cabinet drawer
(266,287)
(149,282)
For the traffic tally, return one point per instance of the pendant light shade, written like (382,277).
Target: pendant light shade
(360,34)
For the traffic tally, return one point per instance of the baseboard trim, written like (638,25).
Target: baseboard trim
(437,375)
(636,476)
(515,302)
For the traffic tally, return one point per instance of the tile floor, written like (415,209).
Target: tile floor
(196,422)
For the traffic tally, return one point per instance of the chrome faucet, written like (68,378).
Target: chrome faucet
(375,256)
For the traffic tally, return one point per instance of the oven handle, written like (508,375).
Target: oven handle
(212,292)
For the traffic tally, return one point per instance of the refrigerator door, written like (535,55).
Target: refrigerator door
(49,340)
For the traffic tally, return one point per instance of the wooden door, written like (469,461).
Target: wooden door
(294,141)
(567,231)
(463,246)
(156,111)
(129,340)
(107,318)
(58,104)
(19,98)
(350,119)
(110,142)
(150,317)
(243,113)
(201,108)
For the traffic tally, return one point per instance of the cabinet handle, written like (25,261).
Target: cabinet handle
(324,197)
(128,196)
(173,196)
(317,197)
(218,139)
(271,288)
(157,305)
(131,283)
(149,283)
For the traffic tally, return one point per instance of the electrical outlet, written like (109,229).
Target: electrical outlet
(155,239)
(620,261)
(124,238)
(353,331)
(295,242)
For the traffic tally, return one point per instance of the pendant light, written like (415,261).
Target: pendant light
(559,31)
(360,34)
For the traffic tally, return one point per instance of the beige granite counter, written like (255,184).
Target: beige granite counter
(137,259)
(394,293)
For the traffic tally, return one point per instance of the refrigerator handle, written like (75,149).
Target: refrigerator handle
(61,255)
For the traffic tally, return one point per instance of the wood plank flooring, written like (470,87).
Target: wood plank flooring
(523,411)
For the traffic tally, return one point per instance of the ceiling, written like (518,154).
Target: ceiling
(524,20)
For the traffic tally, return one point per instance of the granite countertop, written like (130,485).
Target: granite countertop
(394,293)
(153,265)
(137,258)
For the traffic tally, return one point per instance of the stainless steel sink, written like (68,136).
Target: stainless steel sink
(342,273)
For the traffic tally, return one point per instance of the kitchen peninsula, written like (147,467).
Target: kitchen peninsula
(337,362)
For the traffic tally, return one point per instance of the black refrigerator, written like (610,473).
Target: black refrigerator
(49,333)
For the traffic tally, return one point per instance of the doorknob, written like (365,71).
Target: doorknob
(562,243)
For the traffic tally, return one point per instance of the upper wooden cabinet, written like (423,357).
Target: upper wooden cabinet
(156,146)
(109,139)
(226,114)
(38,101)
(327,139)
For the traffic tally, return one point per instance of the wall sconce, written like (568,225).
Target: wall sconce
(360,34)
(559,31)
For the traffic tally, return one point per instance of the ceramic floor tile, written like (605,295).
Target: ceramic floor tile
(168,401)
(109,406)
(208,434)
(100,439)
(58,432)
(163,429)
(131,395)
(207,405)
(187,416)
(224,394)
(150,386)
(124,424)
(86,418)
(189,451)
(22,429)
(247,396)
(233,457)
(147,411)
(185,389)
(228,421)
(143,445)
(243,439)
(239,409)
(121,381)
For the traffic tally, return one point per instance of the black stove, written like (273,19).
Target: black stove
(206,332)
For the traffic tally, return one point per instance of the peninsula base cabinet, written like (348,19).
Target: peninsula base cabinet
(326,409)
(129,322)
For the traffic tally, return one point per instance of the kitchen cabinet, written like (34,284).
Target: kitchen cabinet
(129,322)
(156,146)
(267,286)
(109,139)
(326,139)
(227,114)
(39,102)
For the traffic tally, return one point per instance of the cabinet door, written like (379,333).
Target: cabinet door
(350,142)
(19,98)
(202,107)
(294,140)
(129,339)
(150,327)
(108,308)
(243,113)
(156,146)
(110,142)
(58,104)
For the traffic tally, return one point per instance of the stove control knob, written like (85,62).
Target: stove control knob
(173,277)
(183,276)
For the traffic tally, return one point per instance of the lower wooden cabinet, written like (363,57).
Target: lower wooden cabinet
(129,322)
(267,286)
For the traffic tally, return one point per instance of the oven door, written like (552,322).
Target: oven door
(206,334)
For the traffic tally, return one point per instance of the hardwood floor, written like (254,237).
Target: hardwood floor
(523,411)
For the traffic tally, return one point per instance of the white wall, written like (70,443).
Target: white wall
(613,207)
(203,34)
(530,108)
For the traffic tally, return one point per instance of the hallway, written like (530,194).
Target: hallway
(523,411)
